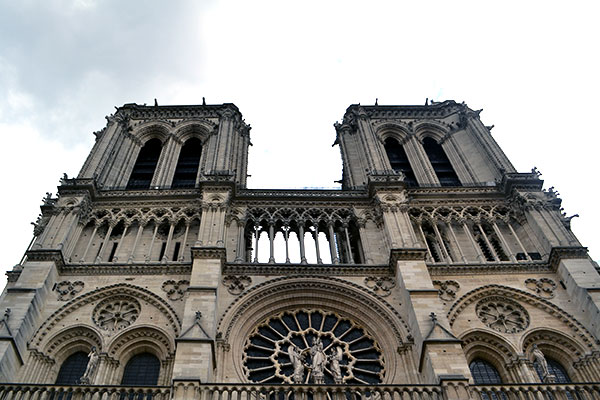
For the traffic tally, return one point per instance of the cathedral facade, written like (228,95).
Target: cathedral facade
(437,271)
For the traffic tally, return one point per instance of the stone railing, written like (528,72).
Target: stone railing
(25,391)
(570,391)
(194,390)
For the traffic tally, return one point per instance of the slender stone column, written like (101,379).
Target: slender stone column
(135,242)
(316,236)
(271,242)
(87,248)
(511,255)
(105,242)
(149,255)
(487,241)
(301,240)
(512,231)
(185,237)
(239,257)
(462,256)
(349,246)
(256,236)
(286,235)
(441,242)
(120,243)
(332,249)
(429,252)
(165,256)
(480,256)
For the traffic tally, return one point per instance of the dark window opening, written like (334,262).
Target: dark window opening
(176,251)
(162,251)
(187,164)
(111,257)
(554,368)
(99,249)
(141,370)
(399,161)
(143,171)
(72,369)
(535,256)
(440,163)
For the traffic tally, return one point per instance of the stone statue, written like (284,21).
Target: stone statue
(297,360)
(91,366)
(541,360)
(318,361)
(335,357)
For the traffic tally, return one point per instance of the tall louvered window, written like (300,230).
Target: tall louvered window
(72,369)
(399,161)
(440,163)
(141,370)
(144,168)
(187,165)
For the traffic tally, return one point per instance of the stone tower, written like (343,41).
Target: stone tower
(437,267)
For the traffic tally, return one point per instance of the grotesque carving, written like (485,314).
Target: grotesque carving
(502,315)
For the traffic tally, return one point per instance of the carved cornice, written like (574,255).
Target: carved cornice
(303,269)
(430,111)
(137,112)
(563,253)
(47,255)
(523,181)
(127,269)
(217,253)
(488,268)
(406,254)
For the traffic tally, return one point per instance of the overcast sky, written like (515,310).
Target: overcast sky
(293,68)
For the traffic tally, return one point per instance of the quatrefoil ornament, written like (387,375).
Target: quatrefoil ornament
(175,289)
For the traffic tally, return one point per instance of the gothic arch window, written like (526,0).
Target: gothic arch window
(484,373)
(399,161)
(141,370)
(187,164)
(440,163)
(72,369)
(145,165)
(554,368)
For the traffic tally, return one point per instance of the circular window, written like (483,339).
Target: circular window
(502,315)
(312,346)
(116,313)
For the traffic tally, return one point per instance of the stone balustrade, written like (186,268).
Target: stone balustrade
(191,390)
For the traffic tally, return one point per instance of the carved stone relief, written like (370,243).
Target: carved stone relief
(502,315)
(447,289)
(236,284)
(543,287)
(67,290)
(381,286)
(175,290)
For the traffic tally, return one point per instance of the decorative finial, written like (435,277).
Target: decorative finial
(155,103)
(427,101)
(203,101)
(433,317)
(376,102)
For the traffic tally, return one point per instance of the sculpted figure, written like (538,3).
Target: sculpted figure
(297,361)
(541,360)
(335,357)
(318,361)
(91,366)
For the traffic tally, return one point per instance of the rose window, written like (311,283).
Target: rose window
(312,346)
(502,315)
(116,313)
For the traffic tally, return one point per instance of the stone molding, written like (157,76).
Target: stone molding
(566,253)
(206,253)
(304,269)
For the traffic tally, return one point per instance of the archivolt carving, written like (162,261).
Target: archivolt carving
(564,347)
(574,325)
(100,294)
(477,342)
(66,338)
(159,341)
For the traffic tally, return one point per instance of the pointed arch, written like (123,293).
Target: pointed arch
(587,340)
(100,294)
